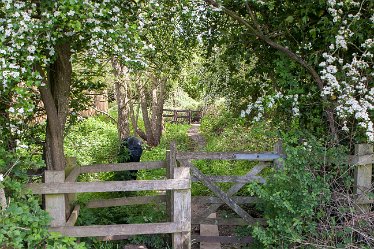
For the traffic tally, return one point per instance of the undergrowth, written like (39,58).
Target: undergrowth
(95,141)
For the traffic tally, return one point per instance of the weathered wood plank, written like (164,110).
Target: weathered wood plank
(111,230)
(266,156)
(227,221)
(217,191)
(113,237)
(235,179)
(223,239)
(125,201)
(181,204)
(209,230)
(73,216)
(122,167)
(361,159)
(114,186)
(55,204)
(72,172)
(216,200)
(73,175)
(362,177)
(278,149)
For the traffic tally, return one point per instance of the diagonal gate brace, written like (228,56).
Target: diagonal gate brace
(232,191)
(225,198)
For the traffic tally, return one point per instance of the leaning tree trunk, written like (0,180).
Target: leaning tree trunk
(147,123)
(121,88)
(55,97)
(158,95)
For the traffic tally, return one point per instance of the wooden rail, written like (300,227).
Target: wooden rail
(177,115)
(59,190)
(57,187)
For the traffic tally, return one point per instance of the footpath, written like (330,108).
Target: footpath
(205,229)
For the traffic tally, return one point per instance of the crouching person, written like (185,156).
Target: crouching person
(130,151)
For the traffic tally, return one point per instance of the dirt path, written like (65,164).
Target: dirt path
(205,230)
(195,136)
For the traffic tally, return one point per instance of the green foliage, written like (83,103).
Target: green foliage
(225,131)
(295,201)
(25,225)
(96,132)
(92,141)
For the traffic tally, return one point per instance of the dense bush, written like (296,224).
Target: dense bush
(306,204)
(23,224)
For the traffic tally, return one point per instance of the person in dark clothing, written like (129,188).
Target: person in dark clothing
(130,151)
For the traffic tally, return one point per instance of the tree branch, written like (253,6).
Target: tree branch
(47,98)
(257,32)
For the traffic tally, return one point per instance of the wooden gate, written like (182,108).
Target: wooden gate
(266,159)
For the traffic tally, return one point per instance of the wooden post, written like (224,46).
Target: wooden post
(168,192)
(363,175)
(180,203)
(278,149)
(189,117)
(71,164)
(3,202)
(175,116)
(55,203)
(182,211)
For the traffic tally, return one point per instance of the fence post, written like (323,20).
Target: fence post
(363,175)
(168,192)
(175,116)
(189,116)
(55,203)
(278,149)
(180,204)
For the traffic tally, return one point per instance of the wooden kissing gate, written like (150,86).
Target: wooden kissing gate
(59,194)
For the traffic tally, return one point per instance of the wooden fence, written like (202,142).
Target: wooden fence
(57,186)
(59,194)
(179,115)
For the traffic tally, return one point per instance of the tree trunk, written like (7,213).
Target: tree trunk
(121,88)
(157,109)
(8,139)
(55,96)
(147,123)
